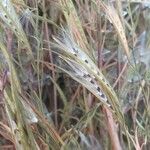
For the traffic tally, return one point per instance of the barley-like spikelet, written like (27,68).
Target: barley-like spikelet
(9,16)
(83,69)
(11,20)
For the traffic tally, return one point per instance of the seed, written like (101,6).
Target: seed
(75,50)
(86,61)
(98,89)
(88,75)
(92,81)
(103,96)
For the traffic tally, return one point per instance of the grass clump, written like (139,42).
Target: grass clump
(74,74)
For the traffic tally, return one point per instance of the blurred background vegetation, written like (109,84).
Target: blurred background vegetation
(50,97)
